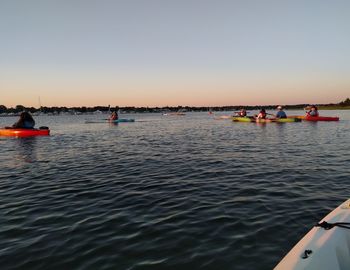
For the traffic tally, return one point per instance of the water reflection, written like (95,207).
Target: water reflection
(227,184)
(18,152)
(113,124)
(26,149)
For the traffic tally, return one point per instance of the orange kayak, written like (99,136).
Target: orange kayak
(24,132)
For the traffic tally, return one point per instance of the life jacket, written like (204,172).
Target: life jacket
(315,113)
(262,114)
(113,117)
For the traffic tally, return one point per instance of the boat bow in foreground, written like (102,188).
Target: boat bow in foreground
(326,246)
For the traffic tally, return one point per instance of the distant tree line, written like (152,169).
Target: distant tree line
(346,102)
(131,109)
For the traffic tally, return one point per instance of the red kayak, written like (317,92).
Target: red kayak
(315,118)
(320,118)
(24,132)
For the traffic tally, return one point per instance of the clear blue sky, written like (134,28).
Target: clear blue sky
(180,52)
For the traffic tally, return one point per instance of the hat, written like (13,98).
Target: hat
(279,107)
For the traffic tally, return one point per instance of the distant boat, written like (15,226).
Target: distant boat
(174,114)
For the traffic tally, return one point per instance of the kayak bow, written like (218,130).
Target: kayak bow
(326,246)
(315,118)
(320,118)
(272,120)
(23,132)
(121,120)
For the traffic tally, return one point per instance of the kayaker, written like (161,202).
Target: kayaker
(25,121)
(241,113)
(262,114)
(114,116)
(313,111)
(280,113)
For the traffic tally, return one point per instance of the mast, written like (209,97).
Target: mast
(39,105)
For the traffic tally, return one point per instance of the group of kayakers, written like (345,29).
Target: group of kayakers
(26,120)
(279,115)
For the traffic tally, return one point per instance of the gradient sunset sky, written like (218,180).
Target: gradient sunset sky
(179,52)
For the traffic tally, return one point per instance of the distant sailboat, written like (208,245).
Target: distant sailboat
(40,107)
(178,113)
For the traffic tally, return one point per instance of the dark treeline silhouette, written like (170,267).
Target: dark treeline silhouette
(131,109)
(346,102)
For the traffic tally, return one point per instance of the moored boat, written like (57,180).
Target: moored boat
(326,246)
(174,114)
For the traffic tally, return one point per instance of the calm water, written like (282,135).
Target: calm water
(167,192)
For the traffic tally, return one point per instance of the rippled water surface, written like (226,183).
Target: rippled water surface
(170,192)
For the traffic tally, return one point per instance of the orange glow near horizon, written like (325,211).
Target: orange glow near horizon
(153,91)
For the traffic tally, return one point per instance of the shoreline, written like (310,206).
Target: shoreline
(168,110)
(4,111)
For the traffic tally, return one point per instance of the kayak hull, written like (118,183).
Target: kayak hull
(122,120)
(243,119)
(320,118)
(253,120)
(21,132)
(315,118)
(329,248)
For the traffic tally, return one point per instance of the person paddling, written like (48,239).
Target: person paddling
(114,116)
(241,113)
(280,114)
(25,121)
(313,111)
(262,114)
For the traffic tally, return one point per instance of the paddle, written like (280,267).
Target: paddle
(223,117)
(255,116)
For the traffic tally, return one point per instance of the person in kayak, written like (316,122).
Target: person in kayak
(262,114)
(241,113)
(114,116)
(25,121)
(313,111)
(280,114)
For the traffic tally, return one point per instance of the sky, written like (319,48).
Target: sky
(173,52)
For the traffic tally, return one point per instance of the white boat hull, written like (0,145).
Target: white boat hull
(330,249)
